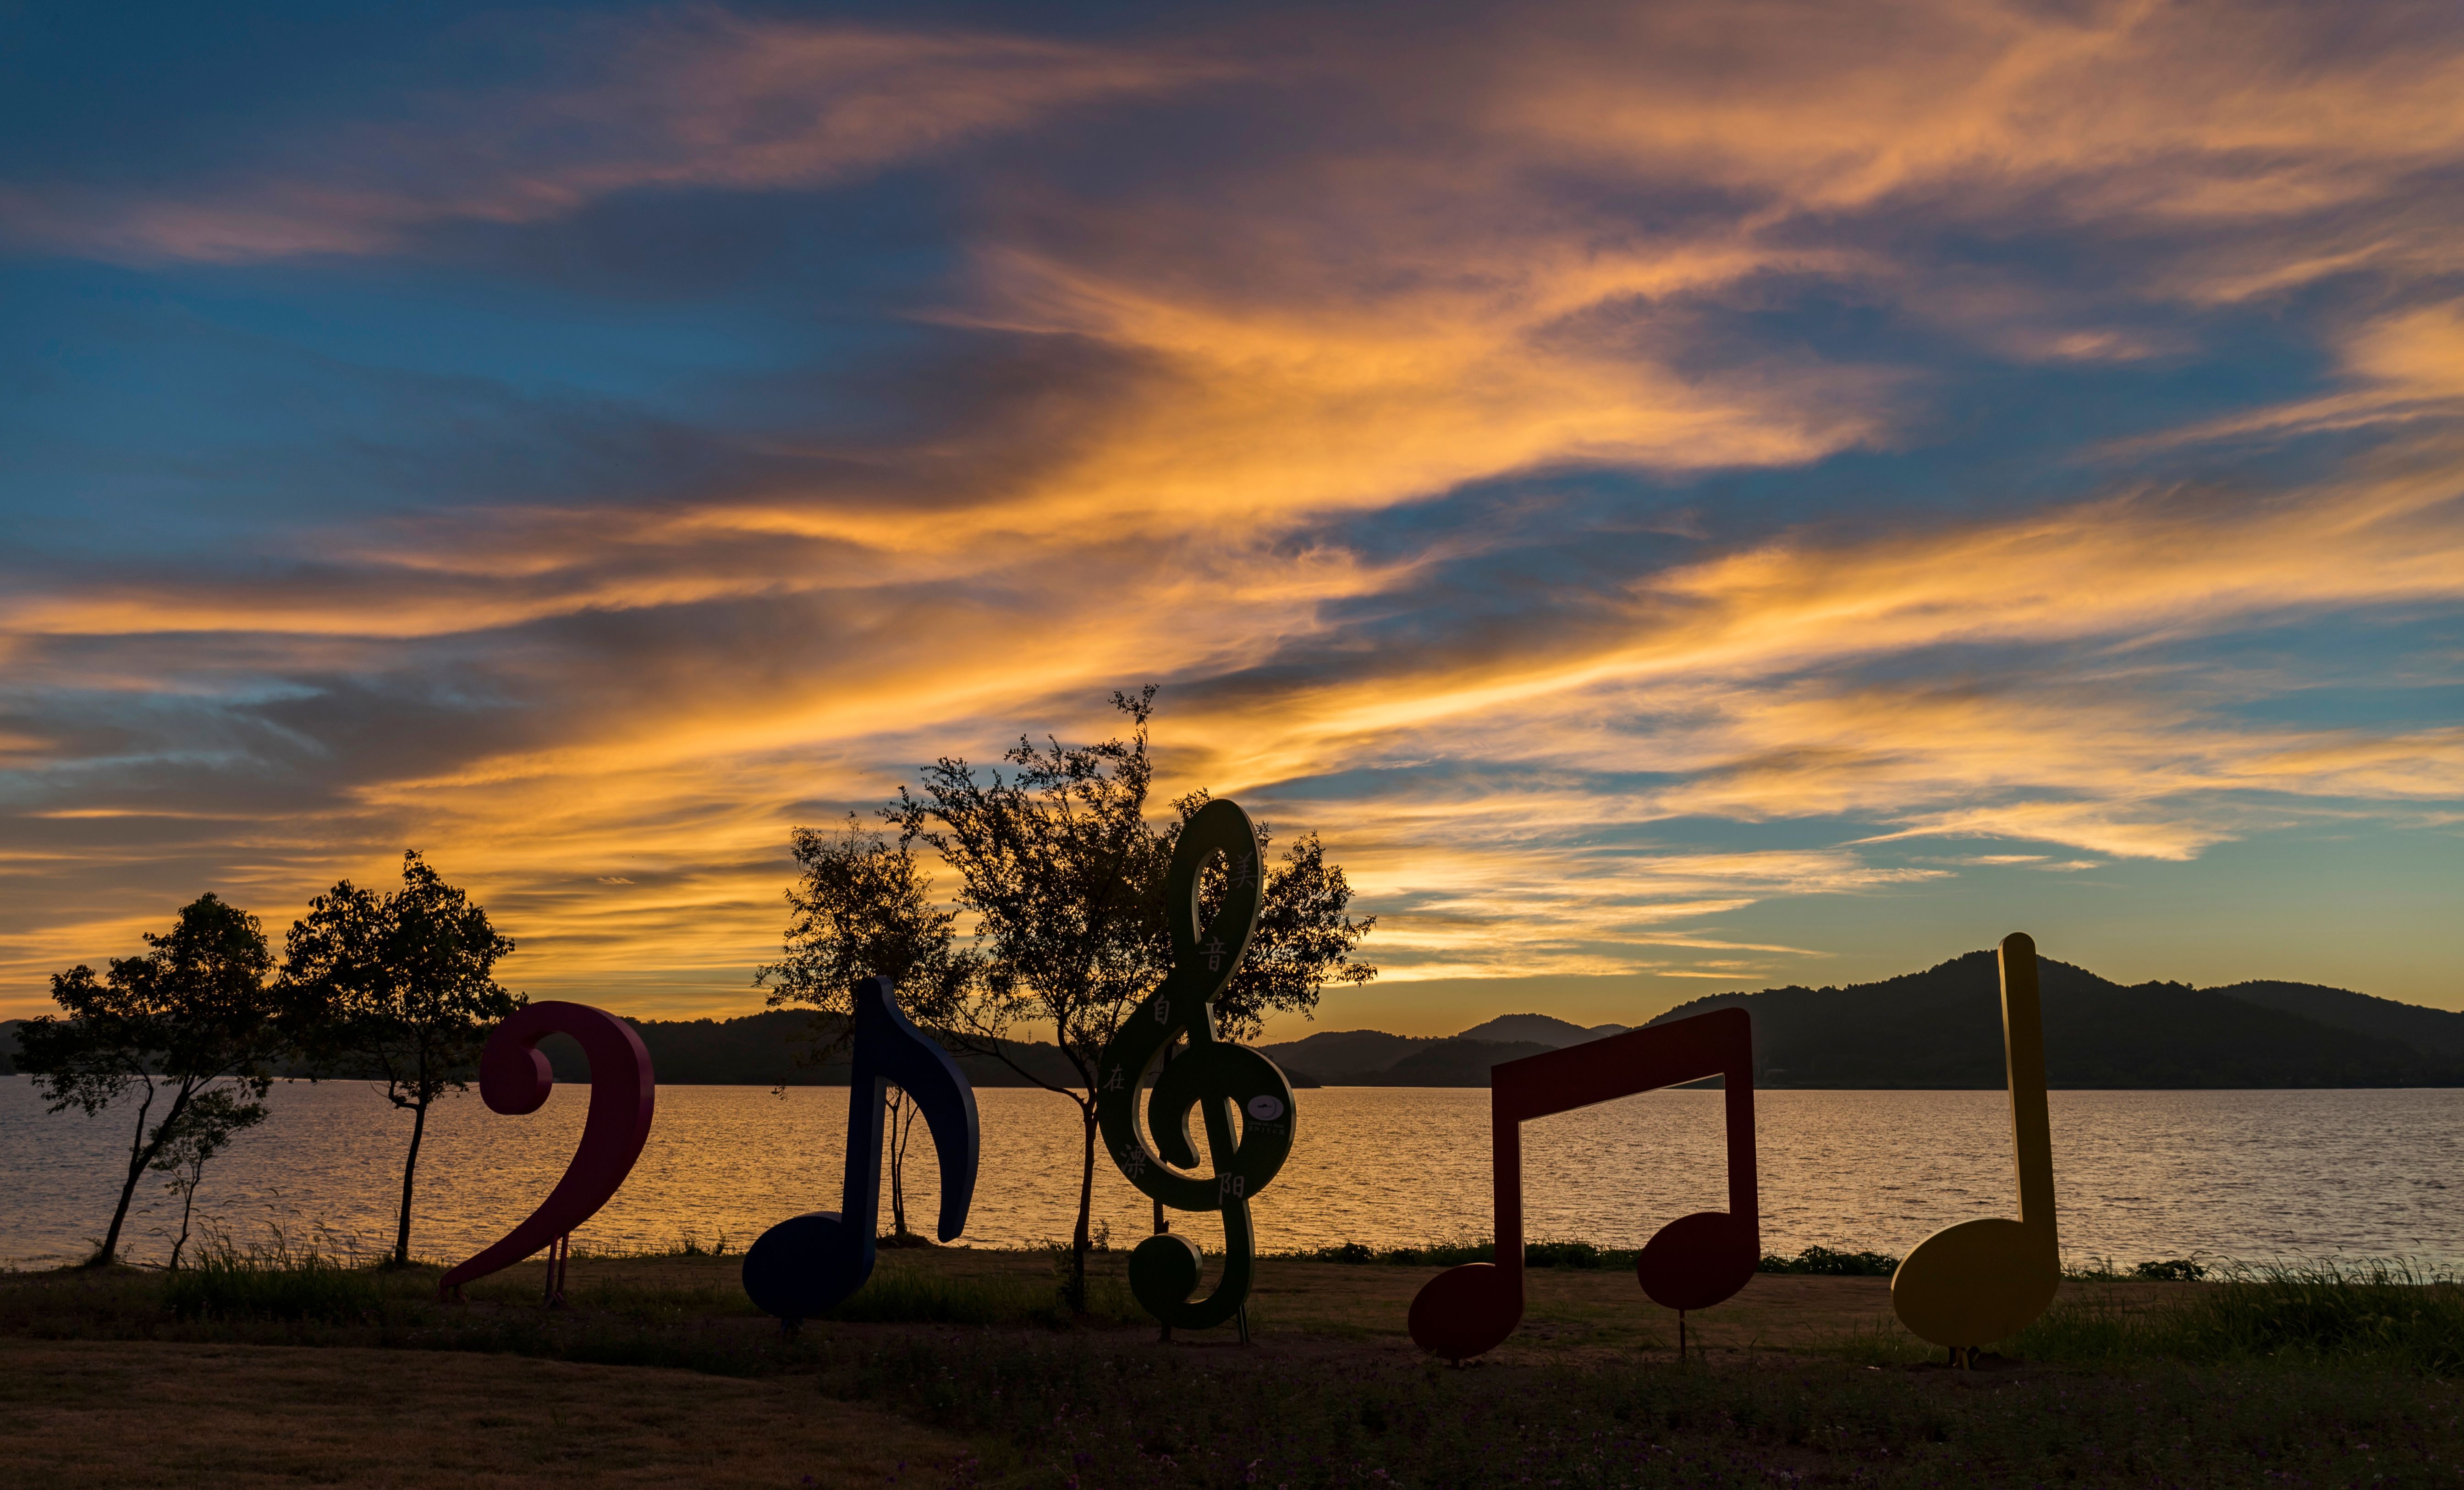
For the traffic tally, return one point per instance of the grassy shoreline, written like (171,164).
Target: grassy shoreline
(1803,1378)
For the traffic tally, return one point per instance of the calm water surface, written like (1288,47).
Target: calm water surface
(2250,1174)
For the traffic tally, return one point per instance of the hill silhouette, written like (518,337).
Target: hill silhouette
(765,1049)
(769,1049)
(1349,1050)
(1540,1029)
(2431,1031)
(1447,1063)
(1943,1029)
(1374,1058)
(1938,1028)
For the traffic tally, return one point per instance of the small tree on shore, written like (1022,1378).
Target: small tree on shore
(398,987)
(190,1025)
(863,907)
(206,1130)
(1065,877)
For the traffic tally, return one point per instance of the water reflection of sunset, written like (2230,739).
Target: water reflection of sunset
(1679,499)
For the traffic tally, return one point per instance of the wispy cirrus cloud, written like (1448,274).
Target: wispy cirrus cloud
(2197,112)
(1612,472)
(692,98)
(2401,368)
(1739,689)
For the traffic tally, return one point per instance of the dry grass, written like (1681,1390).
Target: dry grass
(117,1414)
(1581,1312)
(1577,1310)
(1571,1312)
(104,1382)
(1566,1308)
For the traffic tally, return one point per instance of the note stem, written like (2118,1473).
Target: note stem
(1744,1186)
(860,1194)
(1506,1179)
(2023,1040)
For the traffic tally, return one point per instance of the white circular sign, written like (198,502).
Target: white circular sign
(1265,1110)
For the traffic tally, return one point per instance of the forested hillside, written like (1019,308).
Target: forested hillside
(1943,1029)
(1938,1028)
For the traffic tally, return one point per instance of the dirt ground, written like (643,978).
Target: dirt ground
(1567,1310)
(97,1414)
(150,1411)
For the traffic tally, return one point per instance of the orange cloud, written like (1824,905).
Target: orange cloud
(2399,368)
(2202,111)
(604,715)
(1330,401)
(640,830)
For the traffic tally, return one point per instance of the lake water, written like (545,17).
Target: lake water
(2247,1175)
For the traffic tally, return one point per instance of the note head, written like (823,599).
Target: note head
(1465,1311)
(1975,1282)
(806,1265)
(1697,1260)
(514,1076)
(1164,1271)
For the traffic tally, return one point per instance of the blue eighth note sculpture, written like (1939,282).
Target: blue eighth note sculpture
(809,1265)
(1214,1080)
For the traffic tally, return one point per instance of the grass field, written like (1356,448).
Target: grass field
(110,1414)
(958,1364)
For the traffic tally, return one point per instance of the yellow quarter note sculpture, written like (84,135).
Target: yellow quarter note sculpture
(1978,1281)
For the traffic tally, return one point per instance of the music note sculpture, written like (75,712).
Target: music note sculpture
(808,1265)
(514,1078)
(1692,1262)
(1970,1284)
(1220,1082)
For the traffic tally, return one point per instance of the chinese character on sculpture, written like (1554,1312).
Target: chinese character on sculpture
(1221,1082)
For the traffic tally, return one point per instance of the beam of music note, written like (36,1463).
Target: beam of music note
(1692,1262)
(1214,1080)
(1978,1281)
(809,1265)
(514,1078)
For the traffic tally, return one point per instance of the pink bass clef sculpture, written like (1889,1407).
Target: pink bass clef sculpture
(514,1078)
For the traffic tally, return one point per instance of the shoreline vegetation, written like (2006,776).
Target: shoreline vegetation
(1936,1029)
(2333,1372)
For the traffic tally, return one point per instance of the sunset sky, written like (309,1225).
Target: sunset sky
(1680,497)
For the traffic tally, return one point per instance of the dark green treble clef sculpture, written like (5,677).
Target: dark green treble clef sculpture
(1223,1084)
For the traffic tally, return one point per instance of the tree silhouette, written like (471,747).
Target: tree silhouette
(399,986)
(204,1130)
(862,907)
(1064,878)
(190,1018)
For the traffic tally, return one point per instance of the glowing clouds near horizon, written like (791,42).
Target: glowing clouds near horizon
(1704,459)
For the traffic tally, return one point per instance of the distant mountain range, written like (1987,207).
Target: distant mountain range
(766,1049)
(1938,1028)
(1373,1058)
(1943,1029)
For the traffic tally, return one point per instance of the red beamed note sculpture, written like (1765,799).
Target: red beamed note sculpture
(1692,1262)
